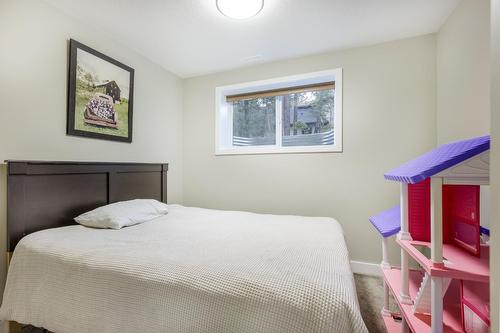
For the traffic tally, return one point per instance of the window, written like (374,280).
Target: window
(293,114)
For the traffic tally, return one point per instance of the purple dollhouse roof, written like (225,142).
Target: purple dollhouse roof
(388,222)
(438,159)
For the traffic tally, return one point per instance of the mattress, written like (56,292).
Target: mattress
(193,270)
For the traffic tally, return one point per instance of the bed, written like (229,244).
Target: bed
(192,270)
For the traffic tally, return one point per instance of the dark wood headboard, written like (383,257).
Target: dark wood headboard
(42,195)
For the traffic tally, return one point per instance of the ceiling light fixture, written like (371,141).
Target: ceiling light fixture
(239,9)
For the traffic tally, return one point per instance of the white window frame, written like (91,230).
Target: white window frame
(224,121)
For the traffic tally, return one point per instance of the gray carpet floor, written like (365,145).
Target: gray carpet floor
(371,297)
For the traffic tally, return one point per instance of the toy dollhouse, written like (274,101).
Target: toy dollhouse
(440,232)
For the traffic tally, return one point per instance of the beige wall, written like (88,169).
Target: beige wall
(33,84)
(463,72)
(495,168)
(33,78)
(389,117)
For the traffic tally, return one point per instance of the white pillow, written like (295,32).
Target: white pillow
(123,213)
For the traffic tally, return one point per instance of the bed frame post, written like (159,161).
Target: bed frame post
(10,326)
(404,235)
(6,324)
(9,256)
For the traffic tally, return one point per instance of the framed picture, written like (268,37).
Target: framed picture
(100,95)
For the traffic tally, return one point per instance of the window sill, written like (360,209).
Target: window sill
(278,150)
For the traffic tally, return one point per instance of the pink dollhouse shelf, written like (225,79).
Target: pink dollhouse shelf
(459,264)
(421,323)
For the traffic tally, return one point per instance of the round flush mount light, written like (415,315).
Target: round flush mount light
(239,9)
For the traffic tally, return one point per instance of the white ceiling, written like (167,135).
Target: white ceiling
(190,37)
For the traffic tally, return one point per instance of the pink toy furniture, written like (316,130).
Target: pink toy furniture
(438,226)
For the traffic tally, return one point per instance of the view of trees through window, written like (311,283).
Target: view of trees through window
(307,119)
(254,121)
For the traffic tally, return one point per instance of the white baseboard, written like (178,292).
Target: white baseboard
(365,268)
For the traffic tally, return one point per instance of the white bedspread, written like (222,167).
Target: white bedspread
(194,270)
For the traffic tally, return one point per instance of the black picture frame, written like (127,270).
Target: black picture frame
(74,46)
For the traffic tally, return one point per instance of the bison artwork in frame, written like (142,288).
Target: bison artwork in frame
(100,95)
